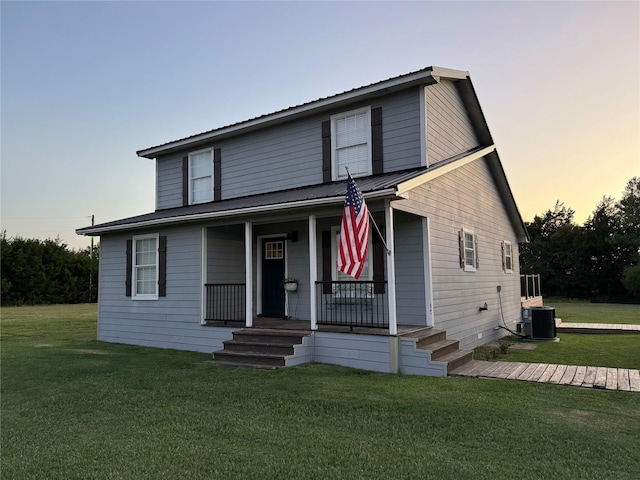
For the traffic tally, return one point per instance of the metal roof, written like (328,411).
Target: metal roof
(426,76)
(375,186)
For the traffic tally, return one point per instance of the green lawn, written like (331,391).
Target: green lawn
(75,408)
(602,350)
(578,311)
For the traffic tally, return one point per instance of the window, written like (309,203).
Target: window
(351,143)
(507,257)
(201,176)
(145,267)
(274,250)
(468,250)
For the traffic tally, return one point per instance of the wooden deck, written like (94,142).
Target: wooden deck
(562,327)
(578,376)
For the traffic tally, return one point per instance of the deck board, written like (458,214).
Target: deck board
(622,379)
(569,373)
(557,375)
(634,380)
(601,378)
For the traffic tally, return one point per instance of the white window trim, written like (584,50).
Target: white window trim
(505,256)
(335,175)
(467,267)
(197,152)
(134,274)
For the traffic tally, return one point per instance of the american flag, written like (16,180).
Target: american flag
(354,233)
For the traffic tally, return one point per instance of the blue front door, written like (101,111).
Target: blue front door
(273,295)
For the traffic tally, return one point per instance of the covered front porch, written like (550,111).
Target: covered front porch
(246,266)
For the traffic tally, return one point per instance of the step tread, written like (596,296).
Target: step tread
(228,363)
(249,354)
(252,343)
(439,344)
(273,332)
(460,353)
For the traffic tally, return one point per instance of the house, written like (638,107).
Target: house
(242,207)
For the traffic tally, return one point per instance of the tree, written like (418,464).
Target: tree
(44,272)
(587,261)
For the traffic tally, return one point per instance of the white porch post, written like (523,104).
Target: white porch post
(313,271)
(391,269)
(248,275)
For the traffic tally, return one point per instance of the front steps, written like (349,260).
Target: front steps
(442,349)
(259,348)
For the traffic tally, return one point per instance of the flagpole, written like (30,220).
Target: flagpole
(374,221)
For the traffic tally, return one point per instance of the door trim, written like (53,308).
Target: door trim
(259,259)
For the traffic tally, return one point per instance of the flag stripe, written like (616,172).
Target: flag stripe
(354,233)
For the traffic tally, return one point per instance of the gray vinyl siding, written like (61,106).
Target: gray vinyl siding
(169,322)
(415,361)
(410,282)
(169,182)
(225,254)
(449,129)
(401,130)
(290,155)
(467,197)
(366,352)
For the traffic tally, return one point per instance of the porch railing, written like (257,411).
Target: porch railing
(352,304)
(225,302)
(530,286)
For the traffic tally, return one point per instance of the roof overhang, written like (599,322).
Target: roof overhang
(427,76)
(143,222)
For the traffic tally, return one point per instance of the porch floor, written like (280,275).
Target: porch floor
(268,323)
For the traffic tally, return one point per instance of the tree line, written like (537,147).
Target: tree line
(599,260)
(35,272)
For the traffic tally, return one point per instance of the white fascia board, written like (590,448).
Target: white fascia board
(404,187)
(422,75)
(229,213)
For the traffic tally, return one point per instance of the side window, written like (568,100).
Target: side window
(468,250)
(201,176)
(146,267)
(507,256)
(351,143)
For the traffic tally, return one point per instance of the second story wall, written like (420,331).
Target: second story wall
(448,127)
(289,155)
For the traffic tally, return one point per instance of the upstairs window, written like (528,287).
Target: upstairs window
(351,143)
(201,176)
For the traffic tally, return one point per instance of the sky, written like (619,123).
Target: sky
(86,84)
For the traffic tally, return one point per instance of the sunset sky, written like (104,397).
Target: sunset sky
(86,84)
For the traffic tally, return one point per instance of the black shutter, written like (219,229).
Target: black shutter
(326,262)
(326,151)
(129,267)
(461,245)
(376,140)
(185,181)
(378,263)
(217,174)
(162,266)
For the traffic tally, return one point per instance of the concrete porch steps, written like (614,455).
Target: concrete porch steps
(259,348)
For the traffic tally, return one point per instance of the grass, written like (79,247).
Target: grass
(603,350)
(75,408)
(579,311)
